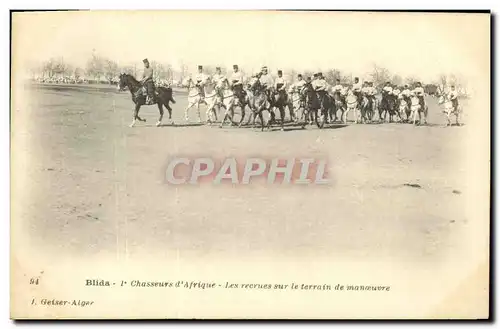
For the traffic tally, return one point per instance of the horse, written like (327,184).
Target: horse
(404,108)
(416,107)
(162,97)
(258,101)
(449,109)
(229,100)
(195,97)
(211,99)
(387,106)
(279,99)
(351,105)
(339,99)
(295,103)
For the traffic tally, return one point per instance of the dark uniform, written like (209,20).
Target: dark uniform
(147,81)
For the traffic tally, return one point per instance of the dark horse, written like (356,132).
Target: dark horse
(319,104)
(162,96)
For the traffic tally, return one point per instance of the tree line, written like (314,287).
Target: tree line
(99,67)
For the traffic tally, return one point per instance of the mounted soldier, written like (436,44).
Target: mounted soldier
(237,85)
(201,79)
(266,81)
(356,89)
(147,82)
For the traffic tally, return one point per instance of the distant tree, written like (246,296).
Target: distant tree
(411,81)
(110,69)
(397,80)
(78,72)
(346,79)
(380,75)
(332,75)
(95,66)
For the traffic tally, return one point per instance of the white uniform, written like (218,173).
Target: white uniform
(357,86)
(419,91)
(337,88)
(453,94)
(406,92)
(201,78)
(299,84)
(396,92)
(218,78)
(388,90)
(237,78)
(266,80)
(280,81)
(319,85)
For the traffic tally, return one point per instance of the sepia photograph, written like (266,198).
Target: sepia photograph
(170,164)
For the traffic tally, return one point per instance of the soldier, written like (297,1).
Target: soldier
(201,79)
(419,92)
(266,81)
(453,96)
(356,89)
(237,83)
(280,83)
(218,79)
(147,81)
(300,83)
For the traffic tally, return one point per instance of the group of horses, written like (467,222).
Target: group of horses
(305,105)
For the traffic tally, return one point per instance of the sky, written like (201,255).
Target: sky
(409,44)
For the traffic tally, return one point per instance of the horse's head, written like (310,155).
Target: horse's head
(441,99)
(255,85)
(123,82)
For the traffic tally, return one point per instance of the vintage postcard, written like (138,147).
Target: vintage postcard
(250,165)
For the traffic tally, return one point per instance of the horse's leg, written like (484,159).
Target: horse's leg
(208,114)
(198,111)
(242,115)
(169,111)
(282,115)
(136,115)
(160,108)
(261,117)
(186,112)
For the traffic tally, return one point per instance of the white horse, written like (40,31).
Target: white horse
(295,102)
(195,97)
(227,101)
(416,108)
(351,104)
(449,109)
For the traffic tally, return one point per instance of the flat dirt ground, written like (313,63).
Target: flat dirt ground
(91,185)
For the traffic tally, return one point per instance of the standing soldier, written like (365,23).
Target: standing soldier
(147,81)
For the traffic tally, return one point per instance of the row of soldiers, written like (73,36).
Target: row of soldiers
(319,83)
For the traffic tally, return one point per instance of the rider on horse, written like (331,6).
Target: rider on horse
(201,79)
(406,93)
(280,85)
(320,86)
(147,81)
(356,89)
(218,78)
(237,84)
(453,96)
(266,81)
(369,92)
(419,92)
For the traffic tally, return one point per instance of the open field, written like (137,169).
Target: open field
(93,185)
